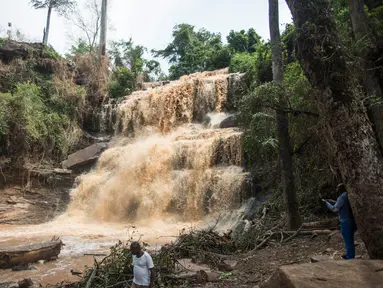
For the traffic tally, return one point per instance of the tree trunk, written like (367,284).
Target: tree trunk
(47,27)
(29,254)
(349,132)
(362,33)
(103,27)
(284,142)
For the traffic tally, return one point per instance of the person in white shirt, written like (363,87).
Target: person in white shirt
(143,267)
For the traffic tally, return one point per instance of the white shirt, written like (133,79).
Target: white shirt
(141,269)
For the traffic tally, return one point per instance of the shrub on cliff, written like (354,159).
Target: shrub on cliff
(29,127)
(123,82)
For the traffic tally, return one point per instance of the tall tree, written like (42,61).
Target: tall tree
(362,33)
(349,132)
(242,41)
(104,19)
(284,141)
(62,7)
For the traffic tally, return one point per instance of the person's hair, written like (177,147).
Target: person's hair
(342,188)
(135,244)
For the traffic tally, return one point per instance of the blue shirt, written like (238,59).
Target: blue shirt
(342,206)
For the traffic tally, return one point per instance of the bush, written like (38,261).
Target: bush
(123,82)
(243,62)
(27,126)
(258,120)
(257,66)
(50,53)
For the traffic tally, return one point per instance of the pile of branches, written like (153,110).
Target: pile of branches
(203,247)
(116,271)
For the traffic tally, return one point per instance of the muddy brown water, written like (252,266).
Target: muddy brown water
(80,237)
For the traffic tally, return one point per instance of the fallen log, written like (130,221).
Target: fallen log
(30,254)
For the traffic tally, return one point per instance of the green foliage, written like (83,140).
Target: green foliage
(375,18)
(123,82)
(256,114)
(80,48)
(300,95)
(130,65)
(244,63)
(126,54)
(258,120)
(28,126)
(257,66)
(242,41)
(194,51)
(342,19)
(288,41)
(50,53)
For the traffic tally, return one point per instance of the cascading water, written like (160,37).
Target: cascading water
(165,166)
(169,164)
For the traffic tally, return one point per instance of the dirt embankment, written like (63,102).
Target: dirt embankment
(34,197)
(33,206)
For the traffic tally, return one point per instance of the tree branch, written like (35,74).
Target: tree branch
(295,112)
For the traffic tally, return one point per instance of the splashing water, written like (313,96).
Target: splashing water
(166,166)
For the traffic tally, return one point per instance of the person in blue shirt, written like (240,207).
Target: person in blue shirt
(347,222)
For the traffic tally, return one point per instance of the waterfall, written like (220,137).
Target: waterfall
(163,161)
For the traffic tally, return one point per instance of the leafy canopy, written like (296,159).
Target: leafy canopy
(193,51)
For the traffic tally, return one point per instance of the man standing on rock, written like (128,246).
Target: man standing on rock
(143,267)
(347,221)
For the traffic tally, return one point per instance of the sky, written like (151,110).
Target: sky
(148,22)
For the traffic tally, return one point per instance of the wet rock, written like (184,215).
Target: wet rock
(206,121)
(328,274)
(59,171)
(26,283)
(237,87)
(23,267)
(84,157)
(229,122)
(151,85)
(251,207)
(97,138)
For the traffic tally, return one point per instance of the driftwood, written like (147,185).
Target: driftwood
(30,254)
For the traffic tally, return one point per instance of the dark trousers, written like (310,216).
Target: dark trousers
(348,230)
